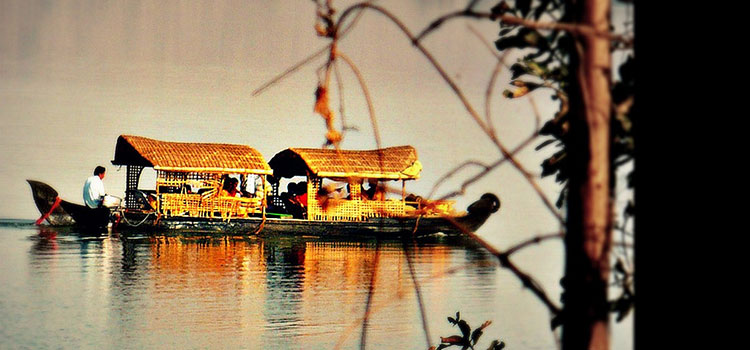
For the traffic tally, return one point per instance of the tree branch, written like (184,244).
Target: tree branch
(464,101)
(505,262)
(366,92)
(568,27)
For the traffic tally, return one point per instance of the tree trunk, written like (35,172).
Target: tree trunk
(588,238)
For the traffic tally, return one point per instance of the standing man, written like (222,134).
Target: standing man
(93,189)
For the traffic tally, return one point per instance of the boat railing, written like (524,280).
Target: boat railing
(181,204)
(383,209)
(335,210)
(208,205)
(431,207)
(355,209)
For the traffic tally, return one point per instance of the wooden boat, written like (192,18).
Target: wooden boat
(342,190)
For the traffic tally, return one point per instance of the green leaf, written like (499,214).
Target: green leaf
(543,144)
(560,200)
(505,31)
(516,41)
(517,70)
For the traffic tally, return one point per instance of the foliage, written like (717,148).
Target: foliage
(546,64)
(467,339)
(547,54)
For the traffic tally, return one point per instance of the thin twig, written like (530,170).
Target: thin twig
(356,323)
(493,77)
(291,70)
(535,240)
(307,59)
(340,90)
(464,101)
(488,169)
(505,262)
(418,292)
(569,27)
(366,92)
(370,293)
(457,169)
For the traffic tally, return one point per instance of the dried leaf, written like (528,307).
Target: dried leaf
(453,340)
(522,91)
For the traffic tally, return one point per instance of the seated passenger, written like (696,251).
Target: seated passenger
(376,191)
(379,193)
(301,194)
(230,188)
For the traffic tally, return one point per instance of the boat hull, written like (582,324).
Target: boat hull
(75,214)
(394,227)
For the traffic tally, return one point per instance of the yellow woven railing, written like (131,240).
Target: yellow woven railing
(382,209)
(196,205)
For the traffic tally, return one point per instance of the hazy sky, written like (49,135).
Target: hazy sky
(76,74)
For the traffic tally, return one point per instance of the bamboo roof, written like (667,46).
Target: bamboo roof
(189,157)
(387,163)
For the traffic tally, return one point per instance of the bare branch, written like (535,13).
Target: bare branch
(493,77)
(465,164)
(307,59)
(535,240)
(434,25)
(345,333)
(340,88)
(488,169)
(505,262)
(291,70)
(370,293)
(417,291)
(366,92)
(569,27)
(464,101)
(578,29)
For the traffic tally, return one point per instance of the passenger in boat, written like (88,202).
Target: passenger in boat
(301,195)
(375,191)
(230,188)
(379,193)
(187,188)
(259,191)
(93,188)
(295,199)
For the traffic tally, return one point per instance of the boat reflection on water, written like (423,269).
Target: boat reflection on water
(278,291)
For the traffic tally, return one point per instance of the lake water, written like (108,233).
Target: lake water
(64,290)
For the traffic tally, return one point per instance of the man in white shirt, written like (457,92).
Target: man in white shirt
(93,189)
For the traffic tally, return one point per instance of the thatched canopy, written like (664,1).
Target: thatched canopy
(392,163)
(189,157)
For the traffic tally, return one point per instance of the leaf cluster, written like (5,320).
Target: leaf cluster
(548,54)
(467,339)
(547,62)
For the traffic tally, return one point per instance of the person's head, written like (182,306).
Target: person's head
(99,170)
(226,183)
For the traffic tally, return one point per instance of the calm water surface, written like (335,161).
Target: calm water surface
(64,290)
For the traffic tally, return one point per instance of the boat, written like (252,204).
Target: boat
(302,191)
